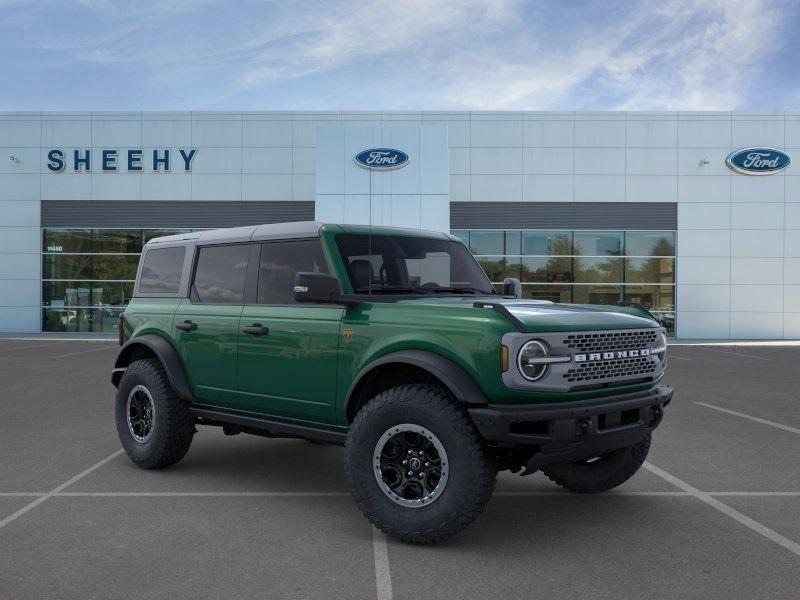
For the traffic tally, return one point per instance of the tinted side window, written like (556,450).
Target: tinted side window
(161,271)
(220,273)
(280,262)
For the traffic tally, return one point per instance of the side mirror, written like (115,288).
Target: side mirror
(319,288)
(512,287)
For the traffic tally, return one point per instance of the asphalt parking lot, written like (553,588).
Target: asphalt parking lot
(715,514)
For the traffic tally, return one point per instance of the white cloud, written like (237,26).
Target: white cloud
(685,55)
(459,54)
(329,39)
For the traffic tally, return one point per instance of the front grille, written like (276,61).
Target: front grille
(606,341)
(639,367)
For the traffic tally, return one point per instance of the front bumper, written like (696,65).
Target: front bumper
(576,430)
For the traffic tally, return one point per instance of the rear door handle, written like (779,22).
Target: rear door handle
(256,329)
(186,326)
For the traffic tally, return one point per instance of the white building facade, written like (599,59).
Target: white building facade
(582,207)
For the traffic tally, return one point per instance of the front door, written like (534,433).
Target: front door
(288,352)
(207,323)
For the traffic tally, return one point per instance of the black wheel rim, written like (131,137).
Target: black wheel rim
(140,411)
(410,465)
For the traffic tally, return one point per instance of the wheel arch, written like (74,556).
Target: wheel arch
(407,366)
(153,346)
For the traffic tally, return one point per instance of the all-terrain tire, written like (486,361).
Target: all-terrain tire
(172,424)
(472,471)
(602,474)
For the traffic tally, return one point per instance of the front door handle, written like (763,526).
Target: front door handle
(256,329)
(186,326)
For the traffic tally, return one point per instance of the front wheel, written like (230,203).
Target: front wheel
(153,424)
(600,473)
(417,468)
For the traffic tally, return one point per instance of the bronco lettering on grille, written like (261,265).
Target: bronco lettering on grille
(611,355)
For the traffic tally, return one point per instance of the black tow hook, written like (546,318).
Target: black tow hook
(656,414)
(581,427)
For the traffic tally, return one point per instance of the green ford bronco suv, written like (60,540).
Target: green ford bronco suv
(393,343)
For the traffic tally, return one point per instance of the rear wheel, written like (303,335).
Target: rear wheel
(600,473)
(153,424)
(417,468)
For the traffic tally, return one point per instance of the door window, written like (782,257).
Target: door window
(220,274)
(280,262)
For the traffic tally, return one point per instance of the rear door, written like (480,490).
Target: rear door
(288,352)
(207,323)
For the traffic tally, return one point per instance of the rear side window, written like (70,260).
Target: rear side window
(161,271)
(220,274)
(280,262)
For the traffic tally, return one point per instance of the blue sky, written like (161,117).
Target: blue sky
(402,55)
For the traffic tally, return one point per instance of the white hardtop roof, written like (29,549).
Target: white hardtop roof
(273,231)
(243,234)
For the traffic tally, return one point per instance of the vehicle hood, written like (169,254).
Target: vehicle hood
(535,316)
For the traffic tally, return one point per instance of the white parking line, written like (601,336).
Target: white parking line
(566,494)
(83,351)
(738,354)
(58,489)
(759,528)
(751,418)
(21,348)
(383,578)
(756,494)
(58,339)
(202,494)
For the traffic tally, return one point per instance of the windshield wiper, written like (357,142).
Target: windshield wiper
(391,289)
(461,290)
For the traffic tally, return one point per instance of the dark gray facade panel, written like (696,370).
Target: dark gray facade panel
(169,214)
(563,215)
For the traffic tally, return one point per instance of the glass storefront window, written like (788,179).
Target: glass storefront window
(650,243)
(513,242)
(598,243)
(117,241)
(67,293)
(110,266)
(90,266)
(67,240)
(546,243)
(497,268)
(596,294)
(553,293)
(587,267)
(557,269)
(598,270)
(652,297)
(88,275)
(487,242)
(98,320)
(650,270)
(67,266)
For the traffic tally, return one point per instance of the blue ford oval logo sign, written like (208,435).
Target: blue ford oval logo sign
(381,158)
(758,161)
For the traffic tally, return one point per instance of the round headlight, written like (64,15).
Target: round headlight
(528,360)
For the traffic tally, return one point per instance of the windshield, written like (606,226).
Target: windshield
(410,265)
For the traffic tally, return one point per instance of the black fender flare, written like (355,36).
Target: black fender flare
(458,381)
(165,352)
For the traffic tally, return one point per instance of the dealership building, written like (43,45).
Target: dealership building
(694,215)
